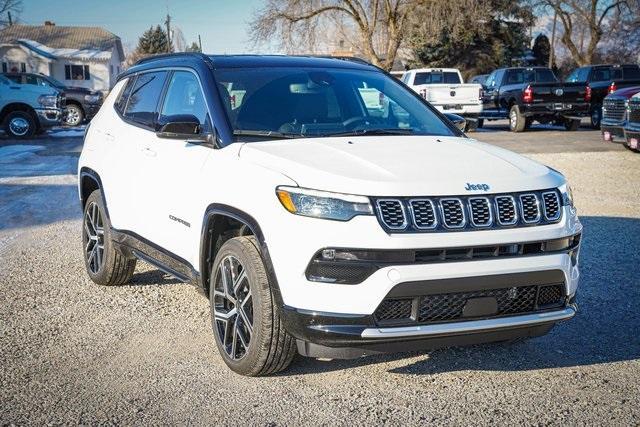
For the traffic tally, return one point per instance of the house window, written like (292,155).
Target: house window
(23,67)
(77,72)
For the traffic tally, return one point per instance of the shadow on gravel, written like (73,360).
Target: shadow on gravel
(152,277)
(606,329)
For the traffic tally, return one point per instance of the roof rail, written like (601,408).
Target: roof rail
(345,58)
(171,55)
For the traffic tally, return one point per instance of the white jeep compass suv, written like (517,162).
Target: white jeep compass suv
(324,208)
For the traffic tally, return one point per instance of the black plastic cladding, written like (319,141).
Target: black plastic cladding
(529,208)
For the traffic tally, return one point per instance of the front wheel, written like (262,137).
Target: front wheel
(74,116)
(20,124)
(517,121)
(246,321)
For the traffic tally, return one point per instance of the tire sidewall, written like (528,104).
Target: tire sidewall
(261,300)
(20,114)
(79,112)
(102,275)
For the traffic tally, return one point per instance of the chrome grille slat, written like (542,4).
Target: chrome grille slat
(613,109)
(473,212)
(634,112)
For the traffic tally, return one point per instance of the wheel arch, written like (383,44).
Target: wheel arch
(89,181)
(219,220)
(18,106)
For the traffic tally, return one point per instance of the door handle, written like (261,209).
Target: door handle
(149,152)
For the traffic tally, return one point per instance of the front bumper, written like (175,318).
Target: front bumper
(48,117)
(632,137)
(470,110)
(612,131)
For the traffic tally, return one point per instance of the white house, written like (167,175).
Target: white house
(89,57)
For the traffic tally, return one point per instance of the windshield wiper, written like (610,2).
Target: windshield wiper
(388,131)
(266,134)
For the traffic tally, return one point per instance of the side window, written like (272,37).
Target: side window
(31,80)
(631,73)
(184,96)
(121,102)
(601,75)
(143,101)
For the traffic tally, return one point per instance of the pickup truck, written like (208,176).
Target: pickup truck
(525,94)
(27,109)
(444,89)
(615,113)
(603,80)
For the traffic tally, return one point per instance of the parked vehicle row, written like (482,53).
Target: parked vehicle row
(621,117)
(81,103)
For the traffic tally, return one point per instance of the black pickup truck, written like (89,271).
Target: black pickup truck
(603,80)
(525,94)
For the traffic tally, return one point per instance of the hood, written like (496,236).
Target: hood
(626,92)
(400,165)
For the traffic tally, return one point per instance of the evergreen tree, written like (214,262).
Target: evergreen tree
(541,50)
(193,48)
(153,41)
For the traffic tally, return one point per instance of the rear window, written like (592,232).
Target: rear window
(434,77)
(579,75)
(143,101)
(530,75)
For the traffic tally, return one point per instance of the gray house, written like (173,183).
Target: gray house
(89,57)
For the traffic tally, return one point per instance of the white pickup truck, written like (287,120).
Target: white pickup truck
(443,88)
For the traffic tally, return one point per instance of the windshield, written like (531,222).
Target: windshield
(294,102)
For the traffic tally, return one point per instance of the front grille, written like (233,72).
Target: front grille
(449,307)
(551,205)
(452,213)
(634,112)
(481,215)
(613,109)
(424,214)
(428,214)
(392,213)
(394,309)
(530,209)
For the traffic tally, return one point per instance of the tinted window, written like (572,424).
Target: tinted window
(530,75)
(601,75)
(143,100)
(631,73)
(15,78)
(579,75)
(310,102)
(121,102)
(184,96)
(425,78)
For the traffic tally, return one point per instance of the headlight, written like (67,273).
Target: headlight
(50,101)
(567,197)
(321,204)
(92,99)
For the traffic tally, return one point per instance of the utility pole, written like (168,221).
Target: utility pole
(200,43)
(168,23)
(10,20)
(553,40)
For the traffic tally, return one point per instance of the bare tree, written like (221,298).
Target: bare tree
(584,23)
(379,25)
(13,7)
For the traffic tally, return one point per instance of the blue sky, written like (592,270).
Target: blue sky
(221,24)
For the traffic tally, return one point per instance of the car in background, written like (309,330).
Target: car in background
(397,74)
(26,110)
(614,114)
(632,128)
(444,89)
(82,103)
(527,94)
(479,79)
(603,80)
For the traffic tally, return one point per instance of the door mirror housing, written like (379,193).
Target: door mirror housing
(458,121)
(182,126)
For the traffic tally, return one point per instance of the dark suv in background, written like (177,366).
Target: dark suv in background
(82,103)
(603,80)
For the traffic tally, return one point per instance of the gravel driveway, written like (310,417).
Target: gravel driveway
(73,352)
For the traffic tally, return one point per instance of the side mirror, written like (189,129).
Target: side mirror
(458,121)
(181,126)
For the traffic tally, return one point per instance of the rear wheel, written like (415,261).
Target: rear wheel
(20,124)
(571,125)
(104,264)
(517,121)
(246,321)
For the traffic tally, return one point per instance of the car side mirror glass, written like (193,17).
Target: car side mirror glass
(458,121)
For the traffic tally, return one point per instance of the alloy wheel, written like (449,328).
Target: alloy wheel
(233,307)
(513,119)
(73,116)
(94,232)
(19,126)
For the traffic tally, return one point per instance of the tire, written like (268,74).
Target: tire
(251,341)
(480,123)
(517,122)
(105,266)
(74,116)
(20,124)
(596,116)
(571,125)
